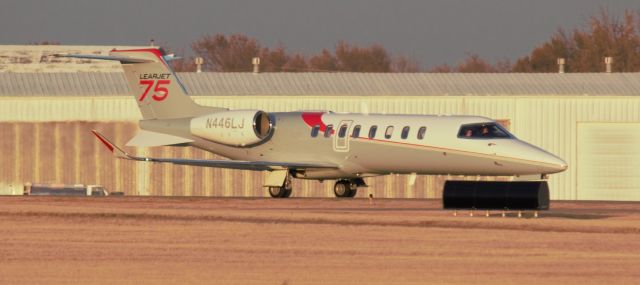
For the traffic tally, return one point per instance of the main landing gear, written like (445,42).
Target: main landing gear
(283,191)
(347,188)
(344,188)
(280,192)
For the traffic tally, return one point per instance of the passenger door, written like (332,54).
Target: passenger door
(341,139)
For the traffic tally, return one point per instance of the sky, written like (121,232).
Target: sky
(430,31)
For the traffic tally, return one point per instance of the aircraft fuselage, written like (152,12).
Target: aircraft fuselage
(440,149)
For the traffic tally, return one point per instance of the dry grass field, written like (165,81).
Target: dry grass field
(138,240)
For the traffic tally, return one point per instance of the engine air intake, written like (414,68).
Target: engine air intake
(262,124)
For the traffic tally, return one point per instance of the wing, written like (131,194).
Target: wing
(230,164)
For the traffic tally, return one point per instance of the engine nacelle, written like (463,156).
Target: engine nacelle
(234,128)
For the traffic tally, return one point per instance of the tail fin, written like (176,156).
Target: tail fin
(155,87)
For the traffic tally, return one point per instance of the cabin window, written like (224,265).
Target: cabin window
(343,131)
(483,131)
(421,132)
(389,132)
(372,131)
(356,131)
(328,132)
(405,133)
(314,131)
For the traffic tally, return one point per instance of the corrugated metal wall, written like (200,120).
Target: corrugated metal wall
(608,161)
(547,121)
(67,152)
(333,83)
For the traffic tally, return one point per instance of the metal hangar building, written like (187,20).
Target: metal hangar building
(591,120)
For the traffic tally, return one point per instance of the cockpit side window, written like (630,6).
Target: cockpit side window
(484,131)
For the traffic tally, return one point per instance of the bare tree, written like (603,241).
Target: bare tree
(234,53)
(544,58)
(474,64)
(442,68)
(296,63)
(405,64)
(584,49)
(273,60)
(44,43)
(325,61)
(356,59)
(226,54)
(184,65)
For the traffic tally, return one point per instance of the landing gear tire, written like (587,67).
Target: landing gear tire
(283,191)
(344,189)
(353,192)
(279,192)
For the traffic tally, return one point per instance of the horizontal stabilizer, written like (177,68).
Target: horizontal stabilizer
(123,59)
(148,139)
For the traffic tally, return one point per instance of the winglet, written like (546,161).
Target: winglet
(119,153)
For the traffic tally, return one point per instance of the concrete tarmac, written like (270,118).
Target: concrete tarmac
(169,240)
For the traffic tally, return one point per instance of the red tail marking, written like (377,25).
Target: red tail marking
(105,142)
(161,90)
(315,118)
(148,83)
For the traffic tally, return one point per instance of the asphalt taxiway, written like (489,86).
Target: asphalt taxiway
(311,241)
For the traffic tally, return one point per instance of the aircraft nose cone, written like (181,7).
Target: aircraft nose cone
(553,163)
(546,162)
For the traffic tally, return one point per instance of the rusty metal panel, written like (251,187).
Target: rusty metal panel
(46,109)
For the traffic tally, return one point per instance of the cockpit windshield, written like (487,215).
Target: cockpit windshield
(484,131)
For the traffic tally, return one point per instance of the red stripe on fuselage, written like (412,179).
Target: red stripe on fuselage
(315,119)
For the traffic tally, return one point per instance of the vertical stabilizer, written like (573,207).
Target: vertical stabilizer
(155,87)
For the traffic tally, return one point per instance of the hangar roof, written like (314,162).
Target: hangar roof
(337,84)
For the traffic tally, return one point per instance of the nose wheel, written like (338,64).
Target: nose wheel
(345,188)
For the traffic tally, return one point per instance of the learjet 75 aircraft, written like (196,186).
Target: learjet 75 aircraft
(345,147)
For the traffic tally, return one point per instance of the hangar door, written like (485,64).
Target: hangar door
(608,161)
